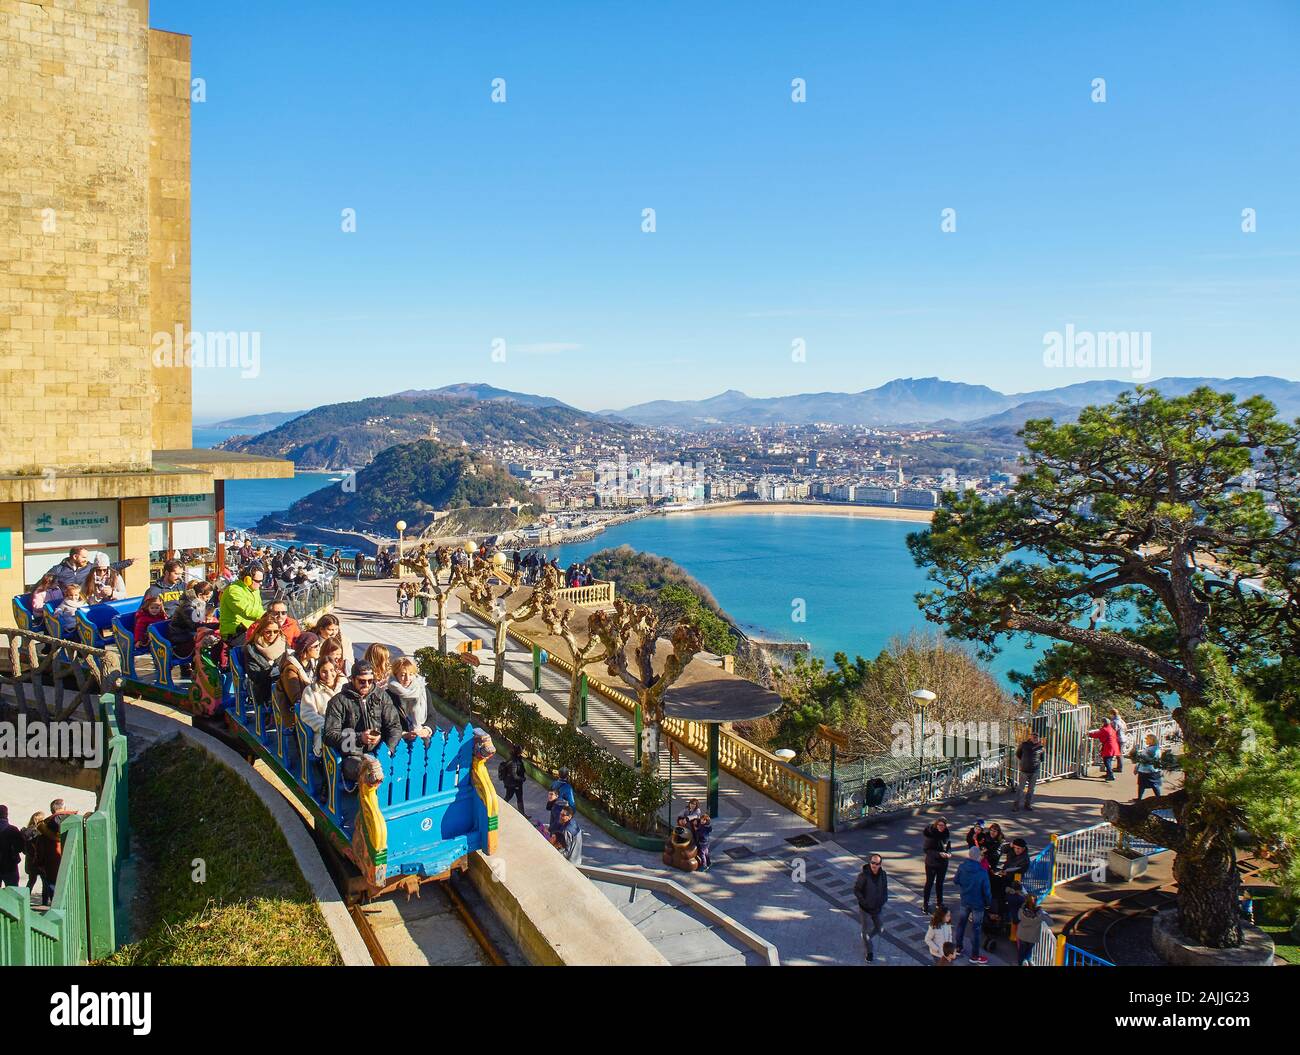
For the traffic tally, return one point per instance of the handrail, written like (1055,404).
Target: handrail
(34,659)
(660,885)
(748,762)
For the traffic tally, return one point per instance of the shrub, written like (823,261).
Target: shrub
(629,796)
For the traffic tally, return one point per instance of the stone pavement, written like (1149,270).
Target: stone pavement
(772,870)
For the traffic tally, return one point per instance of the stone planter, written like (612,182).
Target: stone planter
(1174,949)
(1126,867)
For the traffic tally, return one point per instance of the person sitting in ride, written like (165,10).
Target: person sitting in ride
(359,719)
(241,603)
(66,612)
(149,612)
(407,689)
(46,591)
(103,583)
(279,613)
(170,587)
(315,698)
(190,614)
(264,651)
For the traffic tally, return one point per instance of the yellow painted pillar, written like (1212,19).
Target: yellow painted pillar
(133,516)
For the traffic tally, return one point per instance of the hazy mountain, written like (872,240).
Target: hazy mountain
(467,390)
(349,435)
(930,400)
(256,422)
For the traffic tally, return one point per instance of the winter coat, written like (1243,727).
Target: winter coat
(349,712)
(872,891)
(936,843)
(973,881)
(1109,740)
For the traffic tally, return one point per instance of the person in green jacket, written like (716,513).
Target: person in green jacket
(241,602)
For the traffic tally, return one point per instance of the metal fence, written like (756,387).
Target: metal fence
(86,919)
(885,785)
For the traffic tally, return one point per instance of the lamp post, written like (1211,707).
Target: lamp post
(401,527)
(921,699)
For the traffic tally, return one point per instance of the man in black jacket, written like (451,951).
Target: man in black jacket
(1030,755)
(359,719)
(938,850)
(872,891)
(513,776)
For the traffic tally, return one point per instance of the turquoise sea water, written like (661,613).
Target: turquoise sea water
(854,575)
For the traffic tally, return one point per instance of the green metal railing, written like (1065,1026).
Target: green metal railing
(86,920)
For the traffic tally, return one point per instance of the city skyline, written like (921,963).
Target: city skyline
(798,246)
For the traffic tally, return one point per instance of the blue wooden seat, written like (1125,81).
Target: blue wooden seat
(95,623)
(238,699)
(53,628)
(123,630)
(25,618)
(164,659)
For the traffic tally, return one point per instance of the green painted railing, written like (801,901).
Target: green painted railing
(86,920)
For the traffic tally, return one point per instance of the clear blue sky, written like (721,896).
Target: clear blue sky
(776,220)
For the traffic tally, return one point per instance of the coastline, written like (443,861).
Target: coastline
(911,516)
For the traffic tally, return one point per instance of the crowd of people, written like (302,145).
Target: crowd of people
(38,846)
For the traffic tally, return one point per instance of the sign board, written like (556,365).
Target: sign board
(1066,689)
(53,525)
(182,506)
(834,736)
(6,549)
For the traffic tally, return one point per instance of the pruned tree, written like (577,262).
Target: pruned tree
(502,611)
(431,588)
(1156,543)
(629,633)
(557,621)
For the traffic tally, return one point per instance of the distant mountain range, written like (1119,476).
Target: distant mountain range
(256,422)
(927,400)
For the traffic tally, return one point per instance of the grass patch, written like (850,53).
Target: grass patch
(253,907)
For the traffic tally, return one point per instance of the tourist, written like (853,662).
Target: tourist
(991,845)
(73,568)
(407,688)
(377,656)
(1014,901)
(554,803)
(403,601)
(66,612)
(1033,926)
(11,849)
(46,591)
(241,604)
(297,671)
(1108,736)
(514,776)
(190,614)
(359,564)
(693,811)
(872,891)
(32,855)
(1149,774)
(358,719)
(703,827)
(1125,741)
(314,701)
(975,833)
(103,582)
(1017,860)
(949,955)
(50,848)
(563,788)
(939,933)
(938,851)
(279,613)
(170,587)
(263,652)
(568,840)
(328,628)
(972,880)
(1030,758)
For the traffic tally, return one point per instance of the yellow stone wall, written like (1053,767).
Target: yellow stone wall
(169,230)
(94,234)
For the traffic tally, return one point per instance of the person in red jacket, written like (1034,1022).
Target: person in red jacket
(1108,736)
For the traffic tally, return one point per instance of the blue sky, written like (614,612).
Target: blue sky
(776,221)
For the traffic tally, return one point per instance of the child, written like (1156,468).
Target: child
(693,811)
(949,954)
(703,829)
(938,936)
(66,613)
(1015,900)
(403,601)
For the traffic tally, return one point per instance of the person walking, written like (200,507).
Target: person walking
(32,856)
(1108,737)
(872,891)
(976,897)
(1029,755)
(1125,740)
(563,788)
(1150,777)
(11,849)
(514,776)
(939,933)
(938,851)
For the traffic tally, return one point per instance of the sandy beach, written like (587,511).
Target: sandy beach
(921,516)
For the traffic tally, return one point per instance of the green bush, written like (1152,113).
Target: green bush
(629,796)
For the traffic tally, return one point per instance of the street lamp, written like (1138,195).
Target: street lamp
(921,698)
(401,527)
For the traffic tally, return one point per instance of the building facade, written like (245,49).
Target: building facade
(95,428)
